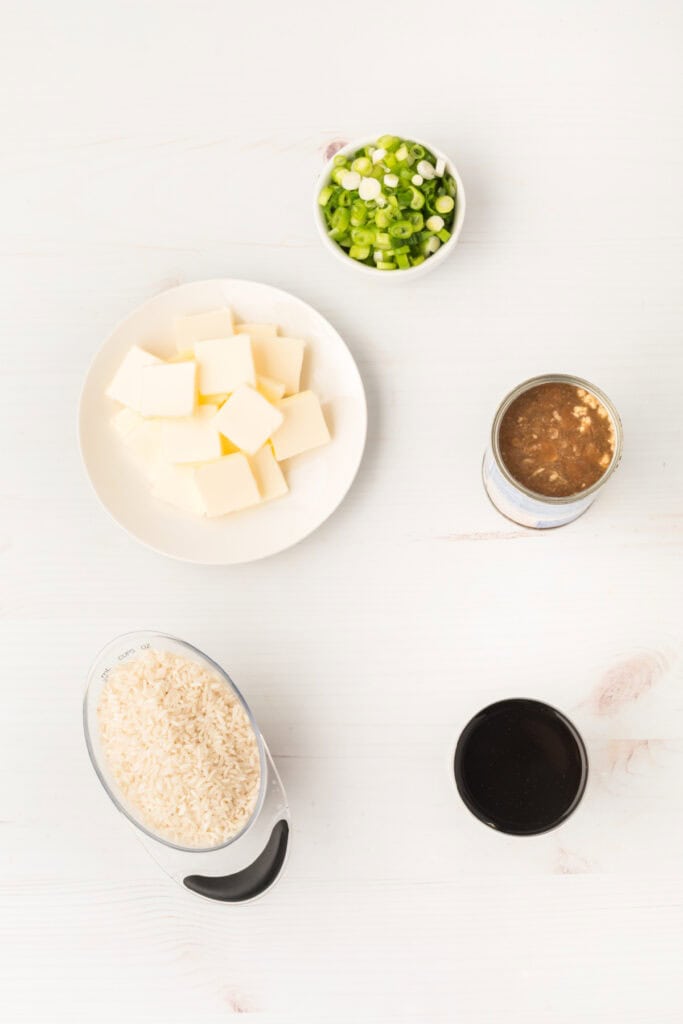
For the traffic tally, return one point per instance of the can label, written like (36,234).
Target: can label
(523,509)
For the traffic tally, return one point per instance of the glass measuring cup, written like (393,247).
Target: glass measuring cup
(245,865)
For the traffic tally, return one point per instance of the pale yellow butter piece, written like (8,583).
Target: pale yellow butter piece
(224,364)
(271,389)
(226,485)
(269,477)
(176,485)
(217,323)
(144,442)
(191,439)
(125,421)
(169,389)
(280,359)
(257,332)
(303,428)
(216,400)
(247,419)
(126,386)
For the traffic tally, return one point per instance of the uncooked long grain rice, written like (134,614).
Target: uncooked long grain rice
(180,747)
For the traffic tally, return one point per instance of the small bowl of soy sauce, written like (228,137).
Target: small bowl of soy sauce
(521,767)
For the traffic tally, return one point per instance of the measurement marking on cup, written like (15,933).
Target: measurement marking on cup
(126,654)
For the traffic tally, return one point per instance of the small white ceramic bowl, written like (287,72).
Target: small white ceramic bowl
(433,261)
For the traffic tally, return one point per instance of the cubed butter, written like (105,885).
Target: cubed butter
(126,387)
(257,332)
(303,428)
(191,439)
(280,359)
(271,389)
(218,323)
(224,364)
(176,485)
(215,400)
(169,389)
(269,477)
(227,485)
(125,421)
(144,441)
(247,419)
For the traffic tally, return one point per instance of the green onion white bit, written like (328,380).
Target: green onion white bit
(389,205)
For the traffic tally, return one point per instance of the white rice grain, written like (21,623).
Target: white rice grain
(180,747)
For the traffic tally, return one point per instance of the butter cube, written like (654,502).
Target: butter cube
(271,389)
(125,422)
(280,359)
(269,476)
(176,485)
(304,426)
(144,442)
(169,389)
(213,400)
(126,387)
(191,439)
(226,485)
(188,330)
(257,332)
(224,364)
(247,419)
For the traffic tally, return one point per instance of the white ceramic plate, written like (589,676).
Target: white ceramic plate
(318,480)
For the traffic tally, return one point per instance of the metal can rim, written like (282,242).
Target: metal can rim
(557,378)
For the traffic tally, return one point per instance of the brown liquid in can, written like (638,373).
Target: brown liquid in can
(556,439)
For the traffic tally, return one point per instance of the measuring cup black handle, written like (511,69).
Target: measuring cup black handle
(250,881)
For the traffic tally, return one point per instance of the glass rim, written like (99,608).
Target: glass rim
(580,745)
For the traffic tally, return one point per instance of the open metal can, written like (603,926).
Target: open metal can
(516,501)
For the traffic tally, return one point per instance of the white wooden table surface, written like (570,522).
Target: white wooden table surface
(146,144)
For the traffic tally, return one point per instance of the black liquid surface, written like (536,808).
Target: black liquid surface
(520,766)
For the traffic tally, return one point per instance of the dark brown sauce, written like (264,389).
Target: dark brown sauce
(520,766)
(556,439)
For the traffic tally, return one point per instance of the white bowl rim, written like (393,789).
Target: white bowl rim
(429,264)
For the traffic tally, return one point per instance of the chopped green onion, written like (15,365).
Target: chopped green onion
(363,236)
(340,219)
(359,214)
(401,229)
(435,223)
(362,165)
(389,204)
